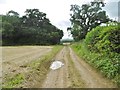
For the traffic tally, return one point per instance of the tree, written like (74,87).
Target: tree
(10,27)
(42,32)
(13,13)
(34,18)
(87,17)
(31,29)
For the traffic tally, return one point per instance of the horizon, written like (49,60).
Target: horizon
(58,12)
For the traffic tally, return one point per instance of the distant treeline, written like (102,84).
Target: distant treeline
(67,40)
(31,29)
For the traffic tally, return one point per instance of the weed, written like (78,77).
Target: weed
(14,81)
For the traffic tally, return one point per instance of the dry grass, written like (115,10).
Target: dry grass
(33,73)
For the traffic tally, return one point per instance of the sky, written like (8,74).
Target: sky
(58,11)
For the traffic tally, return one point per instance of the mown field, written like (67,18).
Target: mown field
(21,64)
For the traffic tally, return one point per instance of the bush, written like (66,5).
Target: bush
(101,49)
(104,38)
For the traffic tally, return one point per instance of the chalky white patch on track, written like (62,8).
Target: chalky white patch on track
(56,65)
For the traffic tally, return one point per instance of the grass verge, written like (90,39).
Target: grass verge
(39,69)
(100,61)
(14,81)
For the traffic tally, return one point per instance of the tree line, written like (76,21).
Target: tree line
(34,28)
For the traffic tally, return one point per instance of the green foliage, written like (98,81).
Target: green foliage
(76,32)
(101,49)
(14,81)
(67,40)
(34,28)
(92,37)
(86,17)
(104,38)
(13,13)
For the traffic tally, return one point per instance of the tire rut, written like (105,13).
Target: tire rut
(57,78)
(92,78)
(61,78)
(75,73)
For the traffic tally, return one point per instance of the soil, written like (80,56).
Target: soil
(91,77)
(61,78)
(73,74)
(15,59)
(58,78)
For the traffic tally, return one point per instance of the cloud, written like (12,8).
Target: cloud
(2,1)
(57,10)
(64,23)
(112,9)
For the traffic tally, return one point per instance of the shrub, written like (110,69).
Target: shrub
(104,38)
(101,49)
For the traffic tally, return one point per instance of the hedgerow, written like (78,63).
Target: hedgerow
(101,49)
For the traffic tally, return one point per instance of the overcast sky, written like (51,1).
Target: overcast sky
(58,11)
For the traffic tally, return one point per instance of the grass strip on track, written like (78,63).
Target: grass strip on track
(75,78)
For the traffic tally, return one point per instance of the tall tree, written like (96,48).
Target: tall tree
(12,13)
(87,16)
(30,29)
(34,18)
(10,27)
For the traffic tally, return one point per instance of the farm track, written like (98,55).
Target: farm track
(58,78)
(89,78)
(74,73)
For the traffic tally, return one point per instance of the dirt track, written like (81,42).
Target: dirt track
(60,78)
(75,72)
